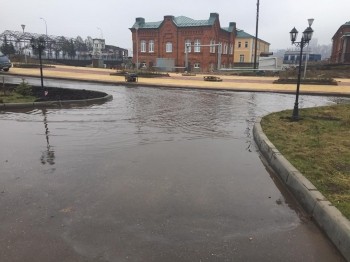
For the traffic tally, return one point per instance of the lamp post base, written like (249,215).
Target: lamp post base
(295,116)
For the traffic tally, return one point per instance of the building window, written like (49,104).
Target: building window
(151,46)
(241,58)
(188,45)
(169,47)
(197,46)
(225,48)
(246,44)
(143,46)
(212,46)
(231,49)
(239,44)
(196,65)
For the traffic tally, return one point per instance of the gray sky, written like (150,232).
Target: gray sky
(83,17)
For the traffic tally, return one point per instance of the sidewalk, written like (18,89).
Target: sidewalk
(234,83)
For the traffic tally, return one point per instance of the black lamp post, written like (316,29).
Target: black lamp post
(38,44)
(305,39)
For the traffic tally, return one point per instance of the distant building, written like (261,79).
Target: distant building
(112,55)
(245,49)
(97,46)
(293,57)
(341,45)
(163,44)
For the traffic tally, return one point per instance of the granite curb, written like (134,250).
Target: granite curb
(55,104)
(328,217)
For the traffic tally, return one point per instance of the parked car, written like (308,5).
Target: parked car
(5,62)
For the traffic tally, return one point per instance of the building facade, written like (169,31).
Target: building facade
(293,57)
(245,48)
(162,45)
(341,45)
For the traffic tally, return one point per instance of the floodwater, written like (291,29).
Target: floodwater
(155,174)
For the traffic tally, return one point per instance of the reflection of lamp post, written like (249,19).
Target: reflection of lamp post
(39,45)
(46,34)
(305,39)
(47,156)
(137,48)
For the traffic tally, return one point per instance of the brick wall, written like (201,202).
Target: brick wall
(169,32)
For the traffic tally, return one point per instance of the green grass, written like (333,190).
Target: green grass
(14,97)
(318,146)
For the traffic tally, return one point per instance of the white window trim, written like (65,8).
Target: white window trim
(169,47)
(197,46)
(143,46)
(151,46)
(212,47)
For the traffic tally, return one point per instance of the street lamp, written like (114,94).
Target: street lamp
(137,48)
(38,44)
(24,44)
(46,34)
(305,39)
(101,32)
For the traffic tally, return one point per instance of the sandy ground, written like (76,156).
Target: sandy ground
(239,83)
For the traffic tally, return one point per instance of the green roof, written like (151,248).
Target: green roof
(347,23)
(181,21)
(242,34)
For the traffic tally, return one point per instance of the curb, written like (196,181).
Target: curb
(328,217)
(55,104)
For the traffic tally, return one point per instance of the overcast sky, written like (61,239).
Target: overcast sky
(114,17)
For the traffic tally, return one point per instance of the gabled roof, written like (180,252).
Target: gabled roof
(181,22)
(184,21)
(242,34)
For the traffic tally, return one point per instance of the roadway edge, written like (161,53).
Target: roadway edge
(56,104)
(328,218)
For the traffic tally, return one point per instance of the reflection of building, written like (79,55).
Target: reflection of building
(162,44)
(292,57)
(341,45)
(245,48)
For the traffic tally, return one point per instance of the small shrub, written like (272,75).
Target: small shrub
(24,89)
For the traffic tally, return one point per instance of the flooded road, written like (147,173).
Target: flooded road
(153,175)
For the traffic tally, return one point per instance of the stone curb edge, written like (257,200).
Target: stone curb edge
(328,217)
(62,103)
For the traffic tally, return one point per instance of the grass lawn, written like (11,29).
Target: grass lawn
(318,145)
(14,97)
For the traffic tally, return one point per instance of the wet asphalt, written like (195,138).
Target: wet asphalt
(156,174)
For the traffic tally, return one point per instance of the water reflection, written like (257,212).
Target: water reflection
(48,155)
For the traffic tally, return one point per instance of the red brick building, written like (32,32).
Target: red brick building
(341,45)
(162,44)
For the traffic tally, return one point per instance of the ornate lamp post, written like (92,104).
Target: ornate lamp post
(305,39)
(47,38)
(38,44)
(24,44)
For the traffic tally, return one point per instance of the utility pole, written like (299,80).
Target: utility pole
(256,33)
